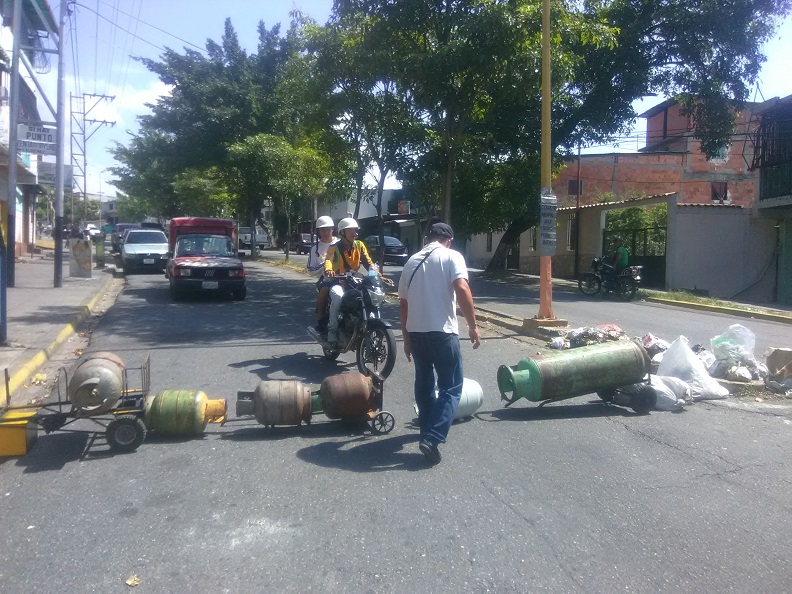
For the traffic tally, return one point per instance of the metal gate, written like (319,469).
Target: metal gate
(647,248)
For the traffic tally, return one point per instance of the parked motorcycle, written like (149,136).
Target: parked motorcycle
(601,278)
(360,327)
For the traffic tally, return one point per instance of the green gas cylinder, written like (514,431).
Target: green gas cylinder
(182,412)
(574,372)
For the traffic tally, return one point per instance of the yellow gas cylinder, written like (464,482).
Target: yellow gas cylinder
(347,396)
(182,412)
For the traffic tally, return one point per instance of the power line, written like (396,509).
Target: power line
(148,25)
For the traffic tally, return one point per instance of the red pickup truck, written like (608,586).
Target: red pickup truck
(202,257)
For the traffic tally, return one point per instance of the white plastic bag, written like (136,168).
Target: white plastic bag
(681,362)
(672,393)
(736,346)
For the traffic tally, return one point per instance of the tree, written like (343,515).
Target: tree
(473,67)
(204,193)
(266,166)
(215,100)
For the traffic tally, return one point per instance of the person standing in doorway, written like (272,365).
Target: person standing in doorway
(432,282)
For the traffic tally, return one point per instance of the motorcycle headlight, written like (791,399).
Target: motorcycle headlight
(377,296)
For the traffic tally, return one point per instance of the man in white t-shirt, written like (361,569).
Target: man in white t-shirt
(316,259)
(432,282)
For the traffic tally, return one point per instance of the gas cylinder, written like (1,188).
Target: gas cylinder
(182,412)
(347,396)
(471,400)
(277,402)
(97,384)
(574,372)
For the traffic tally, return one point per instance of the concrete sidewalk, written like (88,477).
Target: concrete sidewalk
(40,317)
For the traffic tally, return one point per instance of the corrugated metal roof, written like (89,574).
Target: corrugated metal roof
(630,201)
(712,205)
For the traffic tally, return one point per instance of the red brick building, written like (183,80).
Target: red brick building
(671,161)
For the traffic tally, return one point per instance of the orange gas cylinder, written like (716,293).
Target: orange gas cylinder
(347,396)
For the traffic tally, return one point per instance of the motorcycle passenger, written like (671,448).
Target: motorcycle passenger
(345,256)
(316,260)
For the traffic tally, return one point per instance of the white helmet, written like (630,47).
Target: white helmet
(324,222)
(348,223)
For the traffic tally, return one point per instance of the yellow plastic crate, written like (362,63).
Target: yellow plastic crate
(17,432)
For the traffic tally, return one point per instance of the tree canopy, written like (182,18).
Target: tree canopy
(447,96)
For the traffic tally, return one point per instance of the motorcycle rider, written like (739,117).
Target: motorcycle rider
(316,260)
(346,255)
(619,261)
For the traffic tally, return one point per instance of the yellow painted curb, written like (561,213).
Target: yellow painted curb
(21,376)
(770,317)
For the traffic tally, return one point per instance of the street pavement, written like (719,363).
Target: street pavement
(40,317)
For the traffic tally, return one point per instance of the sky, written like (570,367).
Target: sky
(103,34)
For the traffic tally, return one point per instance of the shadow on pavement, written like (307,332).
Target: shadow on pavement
(310,368)
(555,411)
(377,454)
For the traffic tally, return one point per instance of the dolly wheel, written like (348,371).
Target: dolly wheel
(125,433)
(383,423)
(607,395)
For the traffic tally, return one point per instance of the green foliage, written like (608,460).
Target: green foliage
(445,94)
(639,217)
(203,193)
(132,210)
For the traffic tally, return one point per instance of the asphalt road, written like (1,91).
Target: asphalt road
(574,496)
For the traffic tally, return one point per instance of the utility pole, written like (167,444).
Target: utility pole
(547,201)
(81,107)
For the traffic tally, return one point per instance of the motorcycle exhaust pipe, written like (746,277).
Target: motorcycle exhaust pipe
(318,337)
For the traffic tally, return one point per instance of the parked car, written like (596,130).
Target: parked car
(395,250)
(118,234)
(144,249)
(300,243)
(262,238)
(204,261)
(92,231)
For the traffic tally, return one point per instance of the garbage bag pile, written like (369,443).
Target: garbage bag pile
(585,336)
(730,356)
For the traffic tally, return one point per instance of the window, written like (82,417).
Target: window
(719,192)
(532,233)
(489,242)
(572,187)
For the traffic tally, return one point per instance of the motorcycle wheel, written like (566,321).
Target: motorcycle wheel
(377,351)
(589,284)
(626,289)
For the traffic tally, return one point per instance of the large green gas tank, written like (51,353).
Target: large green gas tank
(574,372)
(182,412)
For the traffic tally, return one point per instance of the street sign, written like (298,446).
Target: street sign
(46,174)
(547,225)
(37,140)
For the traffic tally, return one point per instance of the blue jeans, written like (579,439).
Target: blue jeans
(436,352)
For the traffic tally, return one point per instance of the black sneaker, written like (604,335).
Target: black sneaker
(430,452)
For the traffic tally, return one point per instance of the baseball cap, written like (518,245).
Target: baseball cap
(440,230)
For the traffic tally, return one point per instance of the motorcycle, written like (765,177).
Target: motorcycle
(360,327)
(625,285)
